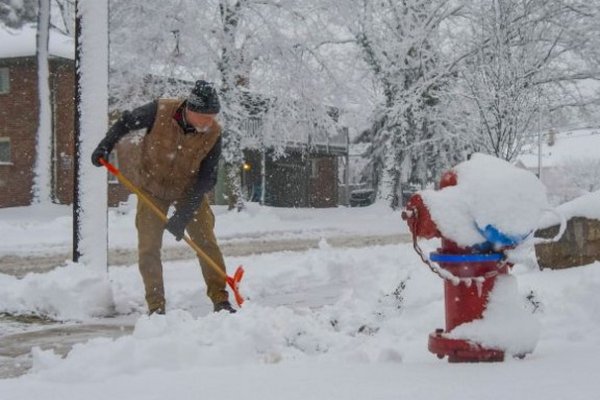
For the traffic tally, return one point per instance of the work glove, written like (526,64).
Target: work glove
(176,225)
(102,151)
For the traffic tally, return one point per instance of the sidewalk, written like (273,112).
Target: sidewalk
(22,334)
(43,231)
(20,265)
(15,349)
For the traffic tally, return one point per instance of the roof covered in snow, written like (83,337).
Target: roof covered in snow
(568,145)
(22,43)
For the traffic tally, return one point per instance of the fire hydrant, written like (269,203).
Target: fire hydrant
(469,275)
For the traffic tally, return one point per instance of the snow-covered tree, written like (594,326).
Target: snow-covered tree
(15,13)
(459,76)
(66,12)
(399,42)
(246,47)
(526,61)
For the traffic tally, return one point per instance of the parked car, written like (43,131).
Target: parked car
(362,197)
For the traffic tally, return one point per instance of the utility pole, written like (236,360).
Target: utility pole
(77,135)
(90,231)
(540,140)
(263,176)
(347,171)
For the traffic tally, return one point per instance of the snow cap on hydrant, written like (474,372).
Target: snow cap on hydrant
(492,202)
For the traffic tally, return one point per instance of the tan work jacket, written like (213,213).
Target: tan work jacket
(171,159)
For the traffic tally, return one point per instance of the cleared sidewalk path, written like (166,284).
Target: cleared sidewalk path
(24,333)
(19,265)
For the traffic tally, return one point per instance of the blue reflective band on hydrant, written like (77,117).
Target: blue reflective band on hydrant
(465,258)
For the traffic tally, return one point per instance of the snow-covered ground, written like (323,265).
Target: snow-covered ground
(322,324)
(327,323)
(43,229)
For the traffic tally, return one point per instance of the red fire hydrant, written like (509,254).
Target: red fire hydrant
(469,276)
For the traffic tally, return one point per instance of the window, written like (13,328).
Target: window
(5,150)
(4,81)
(314,168)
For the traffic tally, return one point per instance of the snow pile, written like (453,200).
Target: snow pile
(587,206)
(506,324)
(178,342)
(73,292)
(341,305)
(490,193)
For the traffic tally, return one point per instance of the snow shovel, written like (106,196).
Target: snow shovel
(233,282)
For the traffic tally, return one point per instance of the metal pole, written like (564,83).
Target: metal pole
(539,174)
(76,134)
(347,171)
(263,177)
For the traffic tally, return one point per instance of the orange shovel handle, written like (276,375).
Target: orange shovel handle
(232,282)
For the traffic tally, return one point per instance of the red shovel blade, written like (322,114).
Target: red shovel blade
(234,284)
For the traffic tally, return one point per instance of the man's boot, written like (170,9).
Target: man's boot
(224,306)
(157,310)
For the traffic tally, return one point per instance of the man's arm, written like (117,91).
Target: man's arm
(140,118)
(205,182)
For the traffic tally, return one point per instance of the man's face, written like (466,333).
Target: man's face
(202,122)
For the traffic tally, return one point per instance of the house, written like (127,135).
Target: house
(569,165)
(308,174)
(293,163)
(19,116)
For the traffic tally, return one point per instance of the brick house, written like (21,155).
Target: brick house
(19,116)
(301,178)
(311,173)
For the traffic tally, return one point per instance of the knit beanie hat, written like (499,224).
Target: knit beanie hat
(203,99)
